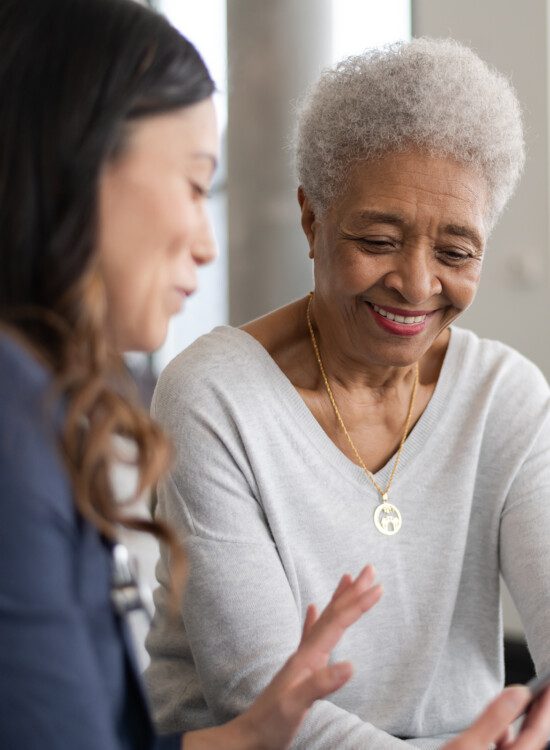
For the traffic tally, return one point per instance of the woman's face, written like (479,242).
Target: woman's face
(398,256)
(154,231)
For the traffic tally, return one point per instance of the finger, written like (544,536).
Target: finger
(344,583)
(315,646)
(337,617)
(535,730)
(498,715)
(310,620)
(365,578)
(334,621)
(364,581)
(505,740)
(348,590)
(318,685)
(288,704)
(533,711)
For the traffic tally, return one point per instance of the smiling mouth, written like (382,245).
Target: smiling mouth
(403,319)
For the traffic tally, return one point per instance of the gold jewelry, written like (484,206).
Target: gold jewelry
(387,517)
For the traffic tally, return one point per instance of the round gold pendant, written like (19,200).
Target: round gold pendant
(387,519)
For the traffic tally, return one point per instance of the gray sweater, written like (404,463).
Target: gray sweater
(272,513)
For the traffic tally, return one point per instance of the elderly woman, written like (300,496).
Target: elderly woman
(356,424)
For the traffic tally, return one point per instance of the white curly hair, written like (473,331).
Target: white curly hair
(433,94)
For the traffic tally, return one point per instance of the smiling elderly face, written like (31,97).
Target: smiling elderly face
(398,256)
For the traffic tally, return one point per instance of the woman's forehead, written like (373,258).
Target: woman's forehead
(185,133)
(401,188)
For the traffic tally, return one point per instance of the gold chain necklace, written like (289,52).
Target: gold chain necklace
(387,517)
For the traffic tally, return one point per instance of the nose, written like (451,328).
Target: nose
(415,275)
(203,247)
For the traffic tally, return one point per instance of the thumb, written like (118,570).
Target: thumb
(493,722)
(320,684)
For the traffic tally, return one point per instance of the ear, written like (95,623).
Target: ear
(308,219)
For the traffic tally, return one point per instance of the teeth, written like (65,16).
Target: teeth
(407,320)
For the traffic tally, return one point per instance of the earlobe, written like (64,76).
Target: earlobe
(308,220)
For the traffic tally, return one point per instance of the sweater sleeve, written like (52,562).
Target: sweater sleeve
(525,541)
(240,617)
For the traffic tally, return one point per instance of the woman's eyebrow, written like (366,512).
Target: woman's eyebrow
(383,217)
(458,230)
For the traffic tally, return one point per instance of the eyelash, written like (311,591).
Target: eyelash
(378,244)
(456,257)
(450,257)
(200,192)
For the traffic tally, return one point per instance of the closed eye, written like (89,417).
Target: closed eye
(199,192)
(455,256)
(372,244)
(378,245)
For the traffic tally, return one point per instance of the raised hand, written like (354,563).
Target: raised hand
(276,715)
(274,718)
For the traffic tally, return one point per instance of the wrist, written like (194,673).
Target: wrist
(234,735)
(240,735)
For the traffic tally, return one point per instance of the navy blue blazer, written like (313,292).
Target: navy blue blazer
(67,675)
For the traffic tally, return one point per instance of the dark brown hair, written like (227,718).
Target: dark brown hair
(73,75)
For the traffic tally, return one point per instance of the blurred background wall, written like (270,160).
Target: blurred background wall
(263,55)
(513,303)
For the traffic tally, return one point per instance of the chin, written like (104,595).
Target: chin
(147,341)
(153,343)
(402,353)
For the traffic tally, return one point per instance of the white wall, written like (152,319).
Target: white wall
(204,24)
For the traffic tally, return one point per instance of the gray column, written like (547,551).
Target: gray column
(276,48)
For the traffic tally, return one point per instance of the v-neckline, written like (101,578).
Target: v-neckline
(297,408)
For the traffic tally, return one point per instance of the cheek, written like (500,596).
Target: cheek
(346,268)
(143,230)
(462,287)
(148,314)
(139,303)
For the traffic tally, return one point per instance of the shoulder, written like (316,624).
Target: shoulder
(32,476)
(24,383)
(495,370)
(219,367)
(19,369)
